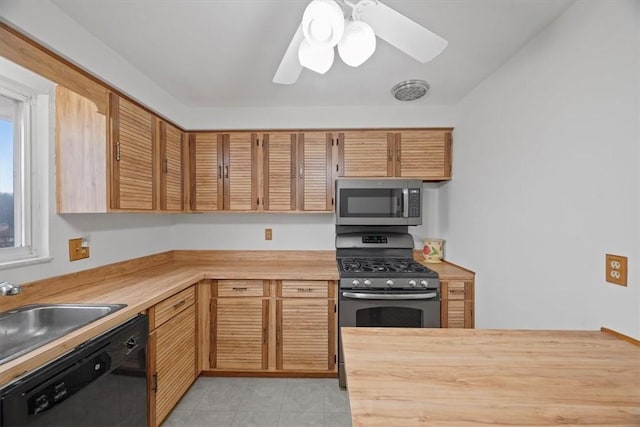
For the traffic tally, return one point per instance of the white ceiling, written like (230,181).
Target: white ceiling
(224,53)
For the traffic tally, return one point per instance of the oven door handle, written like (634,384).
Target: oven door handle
(405,203)
(363,295)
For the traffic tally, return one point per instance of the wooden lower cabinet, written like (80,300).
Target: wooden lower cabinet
(172,356)
(457,304)
(271,326)
(239,325)
(305,328)
(240,341)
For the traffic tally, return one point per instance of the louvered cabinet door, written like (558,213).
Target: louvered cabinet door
(303,334)
(240,338)
(173,346)
(279,171)
(314,172)
(366,154)
(206,168)
(240,171)
(423,154)
(133,135)
(457,304)
(171,168)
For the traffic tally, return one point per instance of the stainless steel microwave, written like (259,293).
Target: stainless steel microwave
(378,202)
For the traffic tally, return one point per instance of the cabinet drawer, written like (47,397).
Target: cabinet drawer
(241,288)
(455,290)
(305,288)
(168,308)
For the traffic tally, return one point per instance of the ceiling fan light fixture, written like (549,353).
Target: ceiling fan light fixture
(315,58)
(357,44)
(323,23)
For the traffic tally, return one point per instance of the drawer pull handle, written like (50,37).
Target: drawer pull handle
(179,303)
(305,289)
(239,289)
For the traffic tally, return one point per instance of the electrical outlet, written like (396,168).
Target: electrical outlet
(76,250)
(616,269)
(268,234)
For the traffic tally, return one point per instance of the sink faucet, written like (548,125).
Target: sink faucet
(7,288)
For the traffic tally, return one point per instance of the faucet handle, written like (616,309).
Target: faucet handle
(7,288)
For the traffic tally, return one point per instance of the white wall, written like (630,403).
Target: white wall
(546,177)
(334,117)
(246,231)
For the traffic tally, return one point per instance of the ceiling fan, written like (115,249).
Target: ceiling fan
(324,26)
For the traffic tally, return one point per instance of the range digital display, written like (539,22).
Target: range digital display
(374,239)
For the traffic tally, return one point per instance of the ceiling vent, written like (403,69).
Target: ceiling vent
(410,90)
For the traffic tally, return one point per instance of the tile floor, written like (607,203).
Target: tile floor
(295,402)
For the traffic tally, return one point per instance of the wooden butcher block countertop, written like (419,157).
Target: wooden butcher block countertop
(144,282)
(462,377)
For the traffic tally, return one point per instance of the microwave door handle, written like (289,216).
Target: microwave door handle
(363,295)
(405,203)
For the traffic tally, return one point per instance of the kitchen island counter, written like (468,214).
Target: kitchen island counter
(468,377)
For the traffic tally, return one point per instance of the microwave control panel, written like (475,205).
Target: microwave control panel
(414,202)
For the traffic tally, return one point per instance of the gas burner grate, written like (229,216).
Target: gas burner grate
(381,265)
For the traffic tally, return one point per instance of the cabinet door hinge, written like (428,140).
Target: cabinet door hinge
(154,387)
(332,201)
(335,310)
(335,359)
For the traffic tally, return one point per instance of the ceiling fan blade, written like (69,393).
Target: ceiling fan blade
(402,32)
(289,69)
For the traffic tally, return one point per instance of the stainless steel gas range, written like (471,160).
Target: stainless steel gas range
(380,283)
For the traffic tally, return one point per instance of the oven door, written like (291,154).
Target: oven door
(394,309)
(386,309)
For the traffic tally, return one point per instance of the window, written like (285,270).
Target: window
(23,133)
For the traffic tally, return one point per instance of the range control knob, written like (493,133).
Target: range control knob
(367,282)
(389,283)
(424,283)
(412,283)
(355,283)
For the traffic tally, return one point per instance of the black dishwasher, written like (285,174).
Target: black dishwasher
(103,382)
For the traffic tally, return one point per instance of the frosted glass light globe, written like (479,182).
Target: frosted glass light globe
(315,58)
(357,44)
(323,23)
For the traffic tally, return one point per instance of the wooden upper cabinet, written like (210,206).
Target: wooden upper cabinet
(133,133)
(171,167)
(206,165)
(81,163)
(279,156)
(315,184)
(297,171)
(240,171)
(424,154)
(223,171)
(367,153)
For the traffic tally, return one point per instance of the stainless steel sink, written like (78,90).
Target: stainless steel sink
(28,327)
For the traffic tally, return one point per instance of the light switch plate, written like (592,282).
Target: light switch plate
(616,269)
(268,234)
